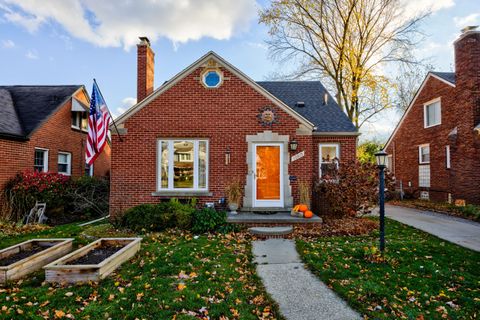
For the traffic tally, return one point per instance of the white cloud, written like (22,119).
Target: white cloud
(32,54)
(415,7)
(126,103)
(119,23)
(471,19)
(8,44)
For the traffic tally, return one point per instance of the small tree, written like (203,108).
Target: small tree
(366,151)
(355,189)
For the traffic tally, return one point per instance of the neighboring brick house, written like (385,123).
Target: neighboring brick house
(44,128)
(211,124)
(435,149)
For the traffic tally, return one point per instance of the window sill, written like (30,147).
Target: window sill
(179,193)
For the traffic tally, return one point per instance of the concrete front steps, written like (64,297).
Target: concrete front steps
(271,232)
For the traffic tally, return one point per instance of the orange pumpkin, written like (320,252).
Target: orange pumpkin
(308,214)
(303,208)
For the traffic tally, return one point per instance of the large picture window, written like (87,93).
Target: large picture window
(328,158)
(183,164)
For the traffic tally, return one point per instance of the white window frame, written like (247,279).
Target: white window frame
(45,158)
(171,158)
(447,157)
(337,155)
(420,154)
(78,115)
(69,162)
(390,163)
(425,115)
(90,170)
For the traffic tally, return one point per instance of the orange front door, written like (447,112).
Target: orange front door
(268,175)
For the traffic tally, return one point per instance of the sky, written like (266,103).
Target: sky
(48,42)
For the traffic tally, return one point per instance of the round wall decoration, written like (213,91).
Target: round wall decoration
(267,116)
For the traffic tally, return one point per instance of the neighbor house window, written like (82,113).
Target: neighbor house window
(182,164)
(424,154)
(432,113)
(65,163)
(40,163)
(329,156)
(390,163)
(79,120)
(447,157)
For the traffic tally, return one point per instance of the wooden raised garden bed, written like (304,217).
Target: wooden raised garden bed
(92,262)
(26,257)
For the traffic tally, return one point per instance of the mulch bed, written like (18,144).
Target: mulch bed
(96,255)
(337,227)
(22,254)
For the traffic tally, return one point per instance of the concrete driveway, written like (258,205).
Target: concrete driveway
(463,232)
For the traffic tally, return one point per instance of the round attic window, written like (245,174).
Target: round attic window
(212,79)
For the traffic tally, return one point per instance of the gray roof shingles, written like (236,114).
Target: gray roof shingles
(326,117)
(25,108)
(447,76)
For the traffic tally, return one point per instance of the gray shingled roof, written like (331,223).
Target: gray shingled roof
(25,108)
(326,117)
(447,76)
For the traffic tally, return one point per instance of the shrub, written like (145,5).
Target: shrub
(22,191)
(354,190)
(158,217)
(88,196)
(208,220)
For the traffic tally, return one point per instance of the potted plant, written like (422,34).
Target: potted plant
(234,195)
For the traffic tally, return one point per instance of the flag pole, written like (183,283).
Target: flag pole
(111,117)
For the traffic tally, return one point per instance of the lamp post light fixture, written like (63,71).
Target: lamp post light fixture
(293,145)
(381,158)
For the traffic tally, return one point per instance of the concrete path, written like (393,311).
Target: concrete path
(463,232)
(299,294)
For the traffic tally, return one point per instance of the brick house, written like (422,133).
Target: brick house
(435,148)
(211,124)
(44,128)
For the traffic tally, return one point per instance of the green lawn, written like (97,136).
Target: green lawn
(174,275)
(424,277)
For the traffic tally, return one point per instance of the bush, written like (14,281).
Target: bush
(88,196)
(208,220)
(158,217)
(22,191)
(354,190)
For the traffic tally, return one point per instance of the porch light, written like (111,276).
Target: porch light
(227,156)
(293,145)
(381,157)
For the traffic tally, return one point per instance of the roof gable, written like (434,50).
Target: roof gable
(427,77)
(33,105)
(325,115)
(211,55)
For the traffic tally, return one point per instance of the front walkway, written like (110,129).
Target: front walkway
(463,232)
(299,294)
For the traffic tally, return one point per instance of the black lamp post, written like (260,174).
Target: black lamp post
(381,158)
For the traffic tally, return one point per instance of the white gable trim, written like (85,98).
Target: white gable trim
(413,102)
(135,108)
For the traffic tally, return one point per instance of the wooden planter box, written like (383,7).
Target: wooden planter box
(54,248)
(66,270)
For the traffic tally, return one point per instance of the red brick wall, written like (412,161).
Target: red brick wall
(145,70)
(225,116)
(459,107)
(55,135)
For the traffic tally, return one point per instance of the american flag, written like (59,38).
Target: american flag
(98,121)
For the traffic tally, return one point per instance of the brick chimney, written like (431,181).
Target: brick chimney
(145,68)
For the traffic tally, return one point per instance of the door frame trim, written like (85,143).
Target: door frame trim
(268,203)
(266,137)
